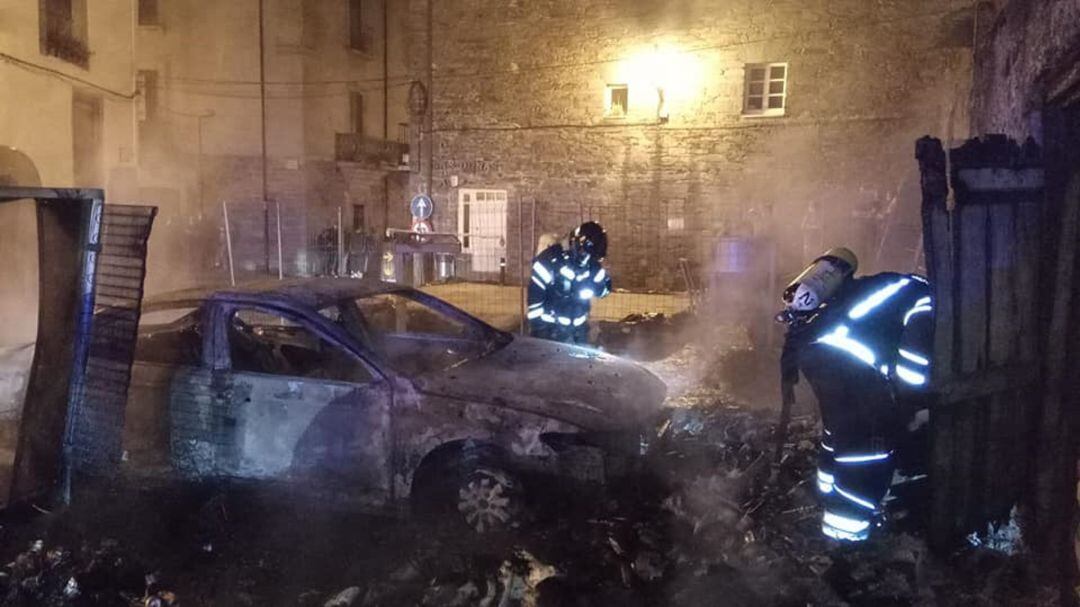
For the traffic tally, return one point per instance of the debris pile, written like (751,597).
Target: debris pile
(711,519)
(100,575)
(644,337)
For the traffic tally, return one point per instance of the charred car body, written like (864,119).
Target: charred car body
(373,394)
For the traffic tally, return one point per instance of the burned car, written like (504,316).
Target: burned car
(374,394)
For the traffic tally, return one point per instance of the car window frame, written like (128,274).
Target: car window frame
(221,311)
(444,307)
(204,330)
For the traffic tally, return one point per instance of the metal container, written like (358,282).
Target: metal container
(444,266)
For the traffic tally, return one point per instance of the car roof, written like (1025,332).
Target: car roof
(313,292)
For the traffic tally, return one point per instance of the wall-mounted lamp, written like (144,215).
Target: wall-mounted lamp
(676,76)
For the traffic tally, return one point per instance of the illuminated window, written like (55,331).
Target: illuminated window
(766,89)
(618,100)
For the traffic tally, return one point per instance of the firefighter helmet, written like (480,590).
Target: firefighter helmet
(820,280)
(589,239)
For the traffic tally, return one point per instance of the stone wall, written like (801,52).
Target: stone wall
(517,102)
(1022,43)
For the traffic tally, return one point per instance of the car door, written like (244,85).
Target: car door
(298,403)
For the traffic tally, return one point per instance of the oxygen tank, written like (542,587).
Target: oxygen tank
(820,280)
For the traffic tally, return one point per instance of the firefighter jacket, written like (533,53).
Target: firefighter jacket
(562,288)
(866,353)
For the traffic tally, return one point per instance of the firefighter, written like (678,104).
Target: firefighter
(566,277)
(864,345)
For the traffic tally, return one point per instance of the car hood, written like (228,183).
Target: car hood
(582,386)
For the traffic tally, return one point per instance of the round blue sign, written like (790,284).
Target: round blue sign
(421,206)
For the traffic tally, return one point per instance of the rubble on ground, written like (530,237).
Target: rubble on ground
(644,337)
(100,575)
(713,517)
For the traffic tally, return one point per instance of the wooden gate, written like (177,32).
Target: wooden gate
(983,243)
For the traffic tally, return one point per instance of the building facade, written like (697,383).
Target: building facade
(67,100)
(677,123)
(328,90)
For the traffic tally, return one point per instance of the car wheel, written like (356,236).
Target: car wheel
(489,500)
(471,490)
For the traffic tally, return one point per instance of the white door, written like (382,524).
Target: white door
(482,227)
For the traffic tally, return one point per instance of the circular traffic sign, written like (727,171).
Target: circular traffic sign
(421,207)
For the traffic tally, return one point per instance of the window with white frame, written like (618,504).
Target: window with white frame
(766,89)
(617,101)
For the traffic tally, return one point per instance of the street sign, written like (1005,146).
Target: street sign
(421,207)
(422,226)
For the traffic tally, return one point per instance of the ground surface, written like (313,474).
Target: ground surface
(711,521)
(501,305)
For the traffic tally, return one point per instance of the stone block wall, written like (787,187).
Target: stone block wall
(517,102)
(1022,44)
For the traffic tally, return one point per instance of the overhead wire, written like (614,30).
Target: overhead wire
(31,66)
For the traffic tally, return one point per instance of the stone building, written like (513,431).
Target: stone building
(66,119)
(161,103)
(677,122)
(335,103)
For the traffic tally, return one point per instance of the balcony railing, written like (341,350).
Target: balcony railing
(369,151)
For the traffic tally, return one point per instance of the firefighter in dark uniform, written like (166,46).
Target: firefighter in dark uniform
(566,277)
(864,345)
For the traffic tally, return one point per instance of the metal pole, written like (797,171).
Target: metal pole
(228,242)
(385,70)
(280,265)
(521,261)
(199,167)
(429,116)
(340,244)
(262,115)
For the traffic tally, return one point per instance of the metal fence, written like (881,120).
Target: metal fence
(498,239)
(500,242)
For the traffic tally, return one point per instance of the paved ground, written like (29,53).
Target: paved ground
(501,305)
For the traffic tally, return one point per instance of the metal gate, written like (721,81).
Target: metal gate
(94,435)
(91,261)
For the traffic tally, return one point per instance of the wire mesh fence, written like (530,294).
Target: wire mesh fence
(499,239)
(497,236)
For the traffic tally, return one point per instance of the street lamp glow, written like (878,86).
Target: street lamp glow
(664,69)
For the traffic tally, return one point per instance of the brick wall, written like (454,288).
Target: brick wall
(1020,43)
(517,97)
